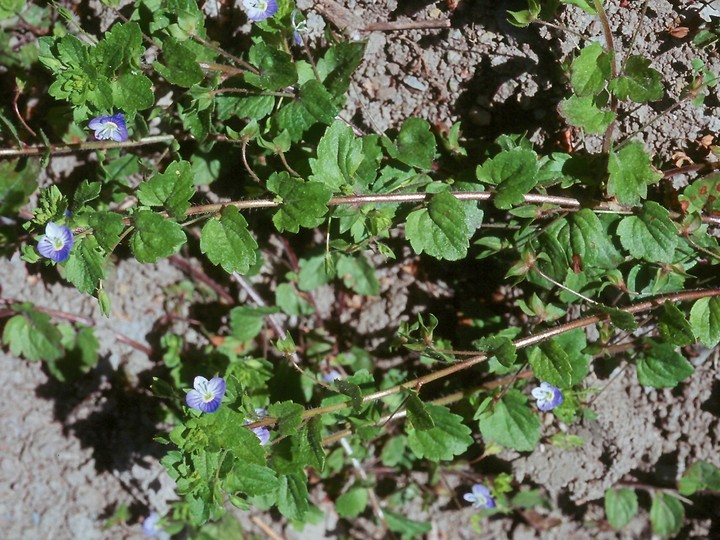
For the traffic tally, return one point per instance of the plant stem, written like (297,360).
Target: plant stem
(569,203)
(521,343)
(607,141)
(90,145)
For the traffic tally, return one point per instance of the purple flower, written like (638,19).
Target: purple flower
(548,396)
(109,127)
(259,10)
(299,27)
(331,375)
(261,433)
(56,243)
(480,497)
(150,525)
(207,395)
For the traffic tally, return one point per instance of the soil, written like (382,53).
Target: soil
(74,453)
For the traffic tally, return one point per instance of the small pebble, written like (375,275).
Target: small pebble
(415,83)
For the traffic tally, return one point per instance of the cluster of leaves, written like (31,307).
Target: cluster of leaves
(563,246)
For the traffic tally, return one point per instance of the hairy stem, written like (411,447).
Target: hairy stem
(90,145)
(521,343)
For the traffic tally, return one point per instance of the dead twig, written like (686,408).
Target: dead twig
(398,26)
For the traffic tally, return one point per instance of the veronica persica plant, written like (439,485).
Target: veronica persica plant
(56,243)
(109,127)
(206,395)
(548,396)
(480,497)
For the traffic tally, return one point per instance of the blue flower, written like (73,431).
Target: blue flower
(56,243)
(480,497)
(331,375)
(299,27)
(261,433)
(109,127)
(150,525)
(207,395)
(259,10)
(548,396)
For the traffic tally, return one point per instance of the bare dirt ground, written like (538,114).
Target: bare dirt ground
(72,454)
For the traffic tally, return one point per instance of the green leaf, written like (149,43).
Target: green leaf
(511,423)
(84,267)
(107,227)
(619,317)
(351,390)
(171,190)
(673,326)
(661,366)
(121,45)
(132,92)
(499,347)
(339,62)
(415,144)
(247,322)
(340,154)
(33,336)
(408,528)
(666,514)
(700,476)
(294,118)
(590,241)
(352,503)
(523,18)
(551,363)
(702,195)
(318,101)
(293,496)
(17,183)
(705,321)
(630,173)
(228,243)
(313,436)
(275,66)
(513,172)
(640,82)
(85,192)
(51,205)
(290,302)
(586,5)
(449,438)
(289,416)
(256,107)
(252,479)
(651,235)
(315,271)
(303,204)
(155,237)
(590,70)
(439,230)
(583,112)
(417,413)
(181,66)
(358,274)
(621,506)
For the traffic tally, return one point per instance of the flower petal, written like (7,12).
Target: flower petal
(194,400)
(216,385)
(199,383)
(211,406)
(45,247)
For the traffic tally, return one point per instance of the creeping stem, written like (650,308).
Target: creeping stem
(521,343)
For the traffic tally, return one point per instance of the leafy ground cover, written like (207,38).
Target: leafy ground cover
(360,269)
